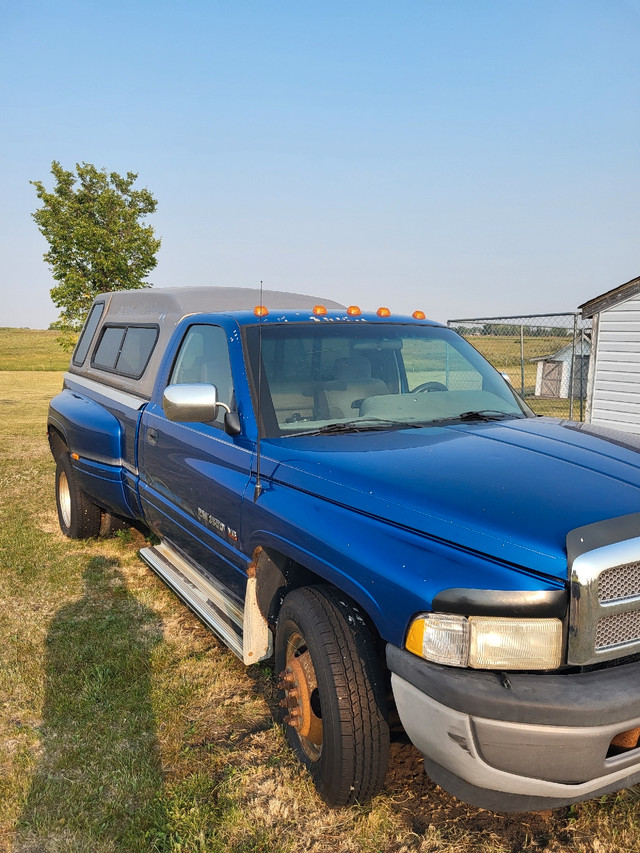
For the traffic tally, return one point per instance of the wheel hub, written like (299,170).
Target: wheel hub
(64,499)
(299,683)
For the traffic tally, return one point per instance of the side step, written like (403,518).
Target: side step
(210,603)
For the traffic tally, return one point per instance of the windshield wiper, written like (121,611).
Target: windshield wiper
(359,425)
(373,424)
(479,415)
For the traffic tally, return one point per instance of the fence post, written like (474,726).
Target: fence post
(582,382)
(522,360)
(572,372)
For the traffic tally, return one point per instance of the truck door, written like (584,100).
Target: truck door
(193,475)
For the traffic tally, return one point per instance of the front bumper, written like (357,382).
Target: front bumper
(519,741)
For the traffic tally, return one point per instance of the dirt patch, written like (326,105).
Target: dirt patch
(428,806)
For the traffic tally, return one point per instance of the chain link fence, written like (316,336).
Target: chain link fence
(546,357)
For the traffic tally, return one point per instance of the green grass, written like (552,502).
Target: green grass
(126,727)
(503,351)
(31,349)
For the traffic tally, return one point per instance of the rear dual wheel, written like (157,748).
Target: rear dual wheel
(333,697)
(78,517)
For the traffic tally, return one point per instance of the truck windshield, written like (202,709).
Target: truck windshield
(353,376)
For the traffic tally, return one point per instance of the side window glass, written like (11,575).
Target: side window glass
(84,342)
(107,352)
(136,349)
(204,357)
(125,349)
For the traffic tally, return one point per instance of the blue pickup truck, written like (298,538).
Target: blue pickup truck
(363,498)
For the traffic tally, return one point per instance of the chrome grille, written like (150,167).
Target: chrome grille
(604,622)
(619,582)
(619,629)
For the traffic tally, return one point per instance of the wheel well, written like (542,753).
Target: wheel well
(277,575)
(57,443)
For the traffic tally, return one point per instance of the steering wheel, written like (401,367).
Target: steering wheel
(430,386)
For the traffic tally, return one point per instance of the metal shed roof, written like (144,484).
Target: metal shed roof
(610,298)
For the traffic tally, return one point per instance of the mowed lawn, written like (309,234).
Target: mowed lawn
(126,726)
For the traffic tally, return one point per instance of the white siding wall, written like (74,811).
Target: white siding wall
(615,398)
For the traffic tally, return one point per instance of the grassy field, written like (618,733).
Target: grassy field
(31,349)
(126,727)
(503,351)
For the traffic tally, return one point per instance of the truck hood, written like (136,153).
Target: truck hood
(511,490)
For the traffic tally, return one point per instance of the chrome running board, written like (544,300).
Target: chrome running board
(207,600)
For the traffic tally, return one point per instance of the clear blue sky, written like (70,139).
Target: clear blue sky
(467,157)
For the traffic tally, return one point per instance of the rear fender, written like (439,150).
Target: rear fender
(93,438)
(86,428)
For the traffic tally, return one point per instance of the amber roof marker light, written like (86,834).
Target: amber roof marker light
(353,311)
(319,310)
(261,311)
(383,312)
(419,315)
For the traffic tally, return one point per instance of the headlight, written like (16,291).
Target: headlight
(487,642)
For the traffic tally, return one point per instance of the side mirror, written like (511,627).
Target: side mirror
(191,403)
(232,423)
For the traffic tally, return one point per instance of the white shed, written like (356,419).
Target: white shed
(613,398)
(564,373)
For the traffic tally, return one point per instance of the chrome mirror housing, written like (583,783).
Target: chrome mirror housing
(192,403)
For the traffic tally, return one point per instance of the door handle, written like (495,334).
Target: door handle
(152,436)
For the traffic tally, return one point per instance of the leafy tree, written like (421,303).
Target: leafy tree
(97,241)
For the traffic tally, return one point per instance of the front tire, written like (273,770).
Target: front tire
(78,517)
(333,697)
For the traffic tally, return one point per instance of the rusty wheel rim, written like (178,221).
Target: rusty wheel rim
(301,698)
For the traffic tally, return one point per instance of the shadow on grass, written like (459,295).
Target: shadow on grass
(98,785)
